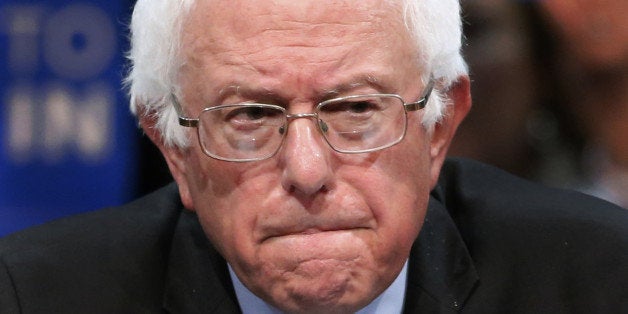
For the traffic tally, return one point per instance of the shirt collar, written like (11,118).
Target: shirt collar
(390,301)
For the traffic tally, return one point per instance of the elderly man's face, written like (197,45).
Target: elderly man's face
(308,229)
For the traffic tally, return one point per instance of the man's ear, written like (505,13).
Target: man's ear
(175,158)
(459,96)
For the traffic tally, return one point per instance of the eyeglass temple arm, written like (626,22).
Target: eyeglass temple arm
(183,121)
(422,102)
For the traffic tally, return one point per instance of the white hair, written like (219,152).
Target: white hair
(156,28)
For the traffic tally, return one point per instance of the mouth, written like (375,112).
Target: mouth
(324,224)
(311,233)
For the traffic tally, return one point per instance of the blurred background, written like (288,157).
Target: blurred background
(550,92)
(549,83)
(67,141)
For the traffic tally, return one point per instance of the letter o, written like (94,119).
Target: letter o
(90,23)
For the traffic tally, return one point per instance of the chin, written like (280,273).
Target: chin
(324,286)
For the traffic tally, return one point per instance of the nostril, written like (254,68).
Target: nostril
(304,190)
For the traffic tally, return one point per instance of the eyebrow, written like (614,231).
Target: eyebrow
(362,81)
(237,89)
(267,94)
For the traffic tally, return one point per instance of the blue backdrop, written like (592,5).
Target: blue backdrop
(67,140)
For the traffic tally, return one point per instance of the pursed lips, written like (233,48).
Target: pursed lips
(271,233)
(323,215)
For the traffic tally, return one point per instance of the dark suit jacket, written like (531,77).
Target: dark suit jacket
(491,243)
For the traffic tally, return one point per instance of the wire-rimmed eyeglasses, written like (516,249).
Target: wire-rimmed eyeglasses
(351,124)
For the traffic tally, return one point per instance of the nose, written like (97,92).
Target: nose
(305,158)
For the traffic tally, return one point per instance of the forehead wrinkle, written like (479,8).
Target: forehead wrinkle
(326,34)
(311,15)
(259,59)
(276,42)
(238,89)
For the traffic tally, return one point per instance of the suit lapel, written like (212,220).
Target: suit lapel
(441,274)
(197,278)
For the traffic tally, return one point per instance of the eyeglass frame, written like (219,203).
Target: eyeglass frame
(412,106)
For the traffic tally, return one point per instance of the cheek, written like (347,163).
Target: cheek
(397,198)
(397,194)
(227,198)
(399,185)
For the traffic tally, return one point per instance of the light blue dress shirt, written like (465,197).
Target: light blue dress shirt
(390,301)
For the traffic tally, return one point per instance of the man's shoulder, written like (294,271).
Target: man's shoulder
(476,194)
(137,221)
(117,254)
(541,242)
(548,250)
(506,220)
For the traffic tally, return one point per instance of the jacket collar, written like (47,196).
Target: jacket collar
(441,274)
(197,279)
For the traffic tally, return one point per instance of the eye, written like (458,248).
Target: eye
(359,107)
(250,114)
(353,107)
